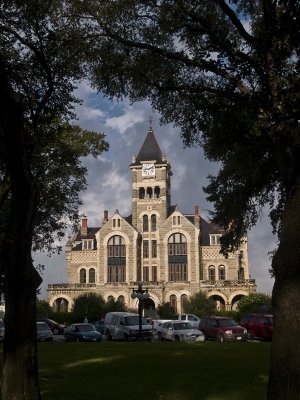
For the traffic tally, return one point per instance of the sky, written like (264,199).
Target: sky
(109,178)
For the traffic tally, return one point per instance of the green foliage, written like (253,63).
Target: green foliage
(166,311)
(255,303)
(114,305)
(198,62)
(43,309)
(200,305)
(89,305)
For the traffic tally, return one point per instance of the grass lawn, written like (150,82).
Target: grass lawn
(154,371)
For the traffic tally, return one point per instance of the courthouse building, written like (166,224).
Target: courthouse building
(175,255)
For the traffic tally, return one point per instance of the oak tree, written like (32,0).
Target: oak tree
(40,165)
(227,74)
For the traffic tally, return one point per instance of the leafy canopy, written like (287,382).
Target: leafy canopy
(227,74)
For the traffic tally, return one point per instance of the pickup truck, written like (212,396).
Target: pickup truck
(191,319)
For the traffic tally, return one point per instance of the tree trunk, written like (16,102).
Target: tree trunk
(284,378)
(20,372)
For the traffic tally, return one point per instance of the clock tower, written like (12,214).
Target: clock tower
(151,183)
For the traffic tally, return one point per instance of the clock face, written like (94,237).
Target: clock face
(148,170)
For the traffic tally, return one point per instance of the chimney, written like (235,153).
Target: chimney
(105,217)
(84,225)
(197,217)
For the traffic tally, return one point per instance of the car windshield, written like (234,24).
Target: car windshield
(134,320)
(85,328)
(181,326)
(42,327)
(227,322)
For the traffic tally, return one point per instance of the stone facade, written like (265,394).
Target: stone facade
(175,255)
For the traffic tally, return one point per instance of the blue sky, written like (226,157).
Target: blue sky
(109,178)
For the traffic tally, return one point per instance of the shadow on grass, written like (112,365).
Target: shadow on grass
(154,371)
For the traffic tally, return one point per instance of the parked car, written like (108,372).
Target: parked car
(2,330)
(125,326)
(177,330)
(190,318)
(55,327)
(222,329)
(44,333)
(99,325)
(259,326)
(82,333)
(157,323)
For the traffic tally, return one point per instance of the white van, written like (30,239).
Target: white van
(125,326)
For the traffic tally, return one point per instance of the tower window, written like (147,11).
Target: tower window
(154,248)
(145,248)
(141,193)
(145,223)
(157,192)
(153,222)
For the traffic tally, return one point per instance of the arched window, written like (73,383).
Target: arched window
(110,298)
(145,223)
(153,222)
(221,273)
(82,276)
(116,263)
(241,274)
(211,273)
(121,299)
(173,302)
(177,244)
(177,250)
(92,275)
(183,301)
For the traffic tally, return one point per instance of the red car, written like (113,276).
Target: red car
(222,329)
(259,326)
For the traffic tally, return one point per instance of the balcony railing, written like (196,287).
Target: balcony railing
(234,282)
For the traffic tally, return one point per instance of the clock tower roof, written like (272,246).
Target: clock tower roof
(150,150)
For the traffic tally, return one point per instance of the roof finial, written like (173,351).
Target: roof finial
(150,122)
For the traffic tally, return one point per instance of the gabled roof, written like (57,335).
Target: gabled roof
(150,150)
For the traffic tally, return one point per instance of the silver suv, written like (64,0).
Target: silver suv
(125,326)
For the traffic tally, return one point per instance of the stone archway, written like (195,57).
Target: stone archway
(220,302)
(235,300)
(60,304)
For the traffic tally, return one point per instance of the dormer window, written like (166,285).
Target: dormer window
(214,240)
(87,244)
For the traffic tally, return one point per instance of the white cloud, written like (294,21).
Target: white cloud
(126,121)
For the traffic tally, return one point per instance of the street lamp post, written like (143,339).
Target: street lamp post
(140,294)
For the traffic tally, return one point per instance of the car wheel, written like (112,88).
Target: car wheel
(55,331)
(66,338)
(177,338)
(77,339)
(108,336)
(160,336)
(125,337)
(221,338)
